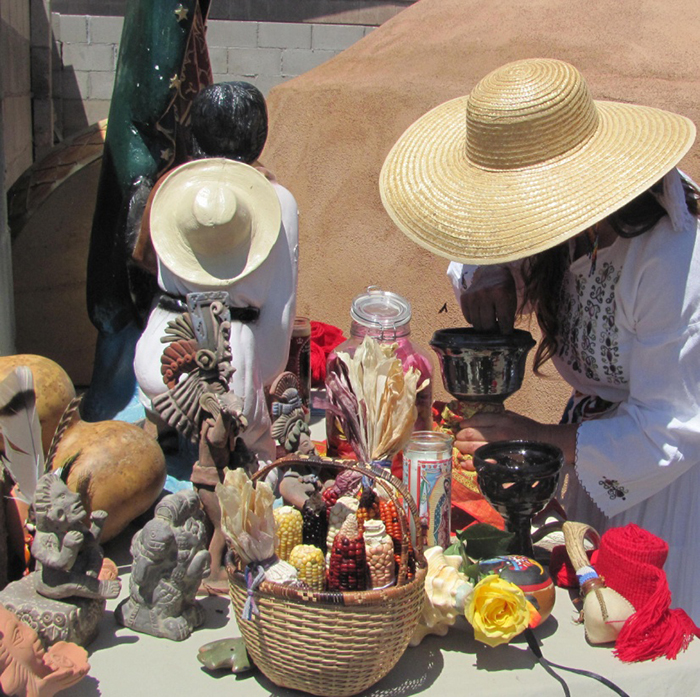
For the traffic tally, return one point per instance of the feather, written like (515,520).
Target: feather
(66,421)
(19,423)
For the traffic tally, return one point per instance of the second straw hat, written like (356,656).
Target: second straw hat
(525,161)
(213,221)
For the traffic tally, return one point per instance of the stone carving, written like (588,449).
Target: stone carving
(27,669)
(170,560)
(67,552)
(75,619)
(197,360)
(226,654)
(289,427)
(197,370)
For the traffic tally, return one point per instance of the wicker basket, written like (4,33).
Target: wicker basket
(334,644)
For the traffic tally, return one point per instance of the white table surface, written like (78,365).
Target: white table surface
(125,663)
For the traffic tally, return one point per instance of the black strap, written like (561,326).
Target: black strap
(548,666)
(177,303)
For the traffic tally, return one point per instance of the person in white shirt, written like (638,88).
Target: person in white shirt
(574,209)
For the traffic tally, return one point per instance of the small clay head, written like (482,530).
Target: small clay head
(229,119)
(157,539)
(178,507)
(56,507)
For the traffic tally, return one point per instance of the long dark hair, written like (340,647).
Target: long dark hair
(543,273)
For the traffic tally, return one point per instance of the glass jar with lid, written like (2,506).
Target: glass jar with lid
(386,316)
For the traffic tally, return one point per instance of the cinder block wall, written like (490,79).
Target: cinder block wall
(264,53)
(15,88)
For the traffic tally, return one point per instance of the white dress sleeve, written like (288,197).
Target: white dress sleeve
(653,437)
(460,276)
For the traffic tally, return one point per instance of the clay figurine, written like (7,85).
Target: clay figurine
(196,367)
(220,449)
(289,426)
(226,654)
(170,560)
(27,670)
(67,552)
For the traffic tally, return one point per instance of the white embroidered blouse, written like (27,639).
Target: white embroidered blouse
(630,334)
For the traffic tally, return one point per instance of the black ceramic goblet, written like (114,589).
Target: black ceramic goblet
(518,478)
(481,367)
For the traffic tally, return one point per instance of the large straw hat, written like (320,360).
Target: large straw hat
(214,221)
(534,162)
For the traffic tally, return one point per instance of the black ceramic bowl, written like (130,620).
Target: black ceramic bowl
(481,367)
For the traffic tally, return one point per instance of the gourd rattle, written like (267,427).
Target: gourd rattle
(604,610)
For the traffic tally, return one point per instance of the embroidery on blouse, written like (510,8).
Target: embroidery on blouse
(583,407)
(614,489)
(588,334)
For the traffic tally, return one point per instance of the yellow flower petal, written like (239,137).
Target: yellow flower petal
(498,611)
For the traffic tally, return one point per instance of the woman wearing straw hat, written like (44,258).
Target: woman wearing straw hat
(574,209)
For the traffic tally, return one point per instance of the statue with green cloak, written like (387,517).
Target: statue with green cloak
(163,63)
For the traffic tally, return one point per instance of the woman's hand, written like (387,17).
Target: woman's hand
(489,427)
(490,302)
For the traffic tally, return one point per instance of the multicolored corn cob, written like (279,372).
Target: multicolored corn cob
(347,569)
(315,516)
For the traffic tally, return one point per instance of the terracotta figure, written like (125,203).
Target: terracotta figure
(27,670)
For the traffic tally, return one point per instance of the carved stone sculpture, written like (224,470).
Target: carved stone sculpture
(27,669)
(64,598)
(67,552)
(289,427)
(170,560)
(196,367)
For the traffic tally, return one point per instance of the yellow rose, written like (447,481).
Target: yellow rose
(498,611)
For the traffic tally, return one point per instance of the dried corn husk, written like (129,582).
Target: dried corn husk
(247,519)
(374,398)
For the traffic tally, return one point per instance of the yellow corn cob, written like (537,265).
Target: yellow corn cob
(310,564)
(289,524)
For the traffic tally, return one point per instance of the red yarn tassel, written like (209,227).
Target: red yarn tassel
(654,630)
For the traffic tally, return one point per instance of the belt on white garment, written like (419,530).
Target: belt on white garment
(178,303)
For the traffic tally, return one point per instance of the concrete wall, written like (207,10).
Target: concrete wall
(16,88)
(15,138)
(262,52)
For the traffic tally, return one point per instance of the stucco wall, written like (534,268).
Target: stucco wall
(16,90)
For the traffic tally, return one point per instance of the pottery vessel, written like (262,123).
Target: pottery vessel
(530,576)
(518,478)
(479,366)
